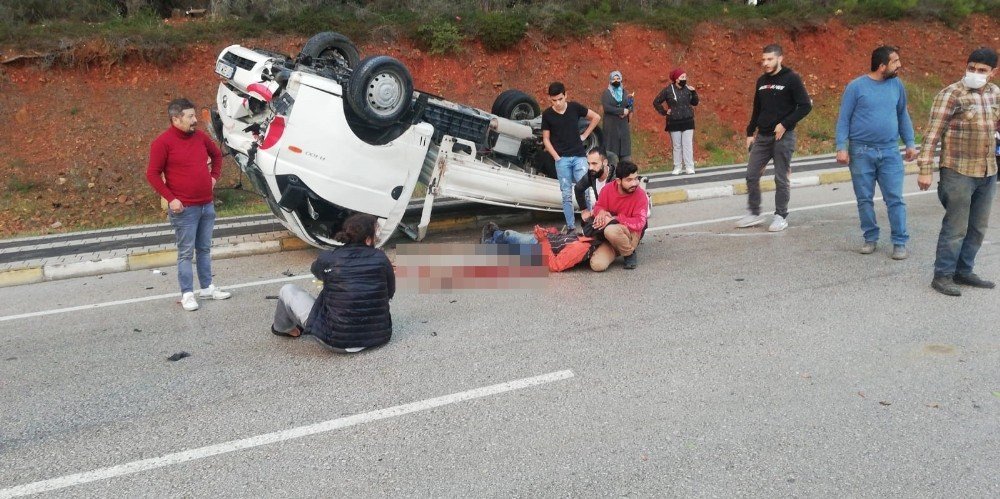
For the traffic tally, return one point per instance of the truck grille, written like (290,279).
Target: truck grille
(240,62)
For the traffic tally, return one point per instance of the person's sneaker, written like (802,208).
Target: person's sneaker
(778,224)
(868,247)
(566,229)
(689,170)
(488,230)
(750,220)
(945,285)
(677,171)
(631,261)
(214,293)
(974,281)
(189,302)
(899,252)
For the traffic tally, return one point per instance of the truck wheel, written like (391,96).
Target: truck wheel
(380,90)
(332,47)
(595,139)
(515,105)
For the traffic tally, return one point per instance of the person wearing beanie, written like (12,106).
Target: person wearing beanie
(618,111)
(680,99)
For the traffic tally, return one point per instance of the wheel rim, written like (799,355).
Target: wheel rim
(522,111)
(336,55)
(385,93)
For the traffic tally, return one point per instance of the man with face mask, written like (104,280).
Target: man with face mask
(963,118)
(873,117)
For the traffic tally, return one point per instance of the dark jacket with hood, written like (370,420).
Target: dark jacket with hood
(779,98)
(352,310)
(681,102)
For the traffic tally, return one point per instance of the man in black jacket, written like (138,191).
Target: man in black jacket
(780,101)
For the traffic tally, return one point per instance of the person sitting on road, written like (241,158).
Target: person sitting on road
(600,171)
(351,313)
(620,215)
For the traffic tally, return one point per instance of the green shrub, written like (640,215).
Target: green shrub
(561,23)
(881,9)
(20,186)
(499,30)
(440,37)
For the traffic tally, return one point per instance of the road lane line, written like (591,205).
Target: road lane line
(803,208)
(293,278)
(278,436)
(139,300)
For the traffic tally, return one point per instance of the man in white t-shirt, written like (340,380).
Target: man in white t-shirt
(599,173)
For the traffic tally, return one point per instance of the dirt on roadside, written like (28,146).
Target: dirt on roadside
(74,152)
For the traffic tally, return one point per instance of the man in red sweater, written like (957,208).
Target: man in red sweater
(181,171)
(621,210)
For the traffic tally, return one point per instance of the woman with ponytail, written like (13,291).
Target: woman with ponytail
(351,312)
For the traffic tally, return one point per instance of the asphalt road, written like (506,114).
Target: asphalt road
(731,363)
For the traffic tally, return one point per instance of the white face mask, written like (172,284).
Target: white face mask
(974,81)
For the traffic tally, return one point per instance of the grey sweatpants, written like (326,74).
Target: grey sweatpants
(294,305)
(764,149)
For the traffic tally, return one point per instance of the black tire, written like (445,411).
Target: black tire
(543,163)
(380,91)
(595,139)
(515,105)
(332,47)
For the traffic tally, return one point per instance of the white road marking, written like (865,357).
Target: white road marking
(803,208)
(293,278)
(278,436)
(141,299)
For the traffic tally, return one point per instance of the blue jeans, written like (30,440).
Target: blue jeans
(570,169)
(512,237)
(193,228)
(967,202)
(882,164)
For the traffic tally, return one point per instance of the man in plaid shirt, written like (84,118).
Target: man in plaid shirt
(963,119)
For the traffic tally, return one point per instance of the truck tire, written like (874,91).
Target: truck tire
(380,91)
(332,47)
(595,139)
(515,105)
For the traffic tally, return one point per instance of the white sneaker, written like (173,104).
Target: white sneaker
(214,293)
(689,170)
(677,171)
(189,302)
(778,224)
(750,220)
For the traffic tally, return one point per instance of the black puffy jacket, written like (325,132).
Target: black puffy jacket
(352,310)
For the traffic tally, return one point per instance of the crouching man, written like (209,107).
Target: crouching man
(620,215)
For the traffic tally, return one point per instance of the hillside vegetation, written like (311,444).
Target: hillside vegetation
(439,26)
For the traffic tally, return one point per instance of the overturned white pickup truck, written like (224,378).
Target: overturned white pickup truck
(324,135)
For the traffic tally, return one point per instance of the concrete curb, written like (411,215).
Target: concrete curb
(168,258)
(17,277)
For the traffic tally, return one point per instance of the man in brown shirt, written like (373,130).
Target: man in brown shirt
(963,119)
